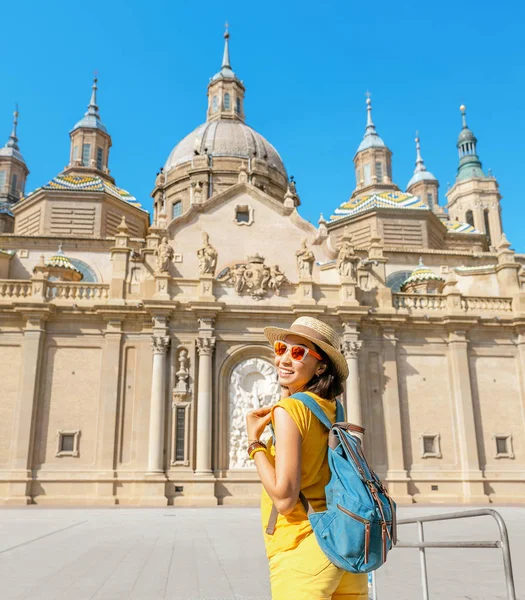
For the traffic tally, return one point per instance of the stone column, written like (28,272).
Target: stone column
(25,411)
(205,346)
(473,488)
(158,404)
(396,473)
(350,349)
(521,361)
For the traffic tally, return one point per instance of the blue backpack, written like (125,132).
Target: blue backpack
(358,527)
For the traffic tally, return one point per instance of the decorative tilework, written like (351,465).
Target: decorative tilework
(89,184)
(375,201)
(459,227)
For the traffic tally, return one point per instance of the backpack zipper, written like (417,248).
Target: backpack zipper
(362,520)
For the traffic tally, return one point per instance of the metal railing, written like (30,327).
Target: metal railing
(502,543)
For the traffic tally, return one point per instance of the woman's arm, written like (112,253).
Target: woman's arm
(283,483)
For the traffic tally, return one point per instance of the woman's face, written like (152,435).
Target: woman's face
(295,374)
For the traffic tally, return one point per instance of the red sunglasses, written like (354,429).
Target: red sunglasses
(297,352)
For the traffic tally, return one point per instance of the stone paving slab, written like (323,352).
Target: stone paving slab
(218,554)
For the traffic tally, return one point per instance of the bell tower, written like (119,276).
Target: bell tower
(474,198)
(90,143)
(372,161)
(13,175)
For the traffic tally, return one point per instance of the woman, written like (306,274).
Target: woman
(308,359)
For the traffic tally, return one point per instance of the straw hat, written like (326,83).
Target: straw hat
(321,334)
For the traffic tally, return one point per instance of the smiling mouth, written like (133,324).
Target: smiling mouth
(285,373)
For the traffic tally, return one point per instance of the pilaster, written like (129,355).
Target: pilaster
(350,348)
(473,487)
(26,408)
(396,474)
(108,408)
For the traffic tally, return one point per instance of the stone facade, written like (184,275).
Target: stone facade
(131,385)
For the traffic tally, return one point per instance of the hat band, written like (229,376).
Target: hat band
(312,333)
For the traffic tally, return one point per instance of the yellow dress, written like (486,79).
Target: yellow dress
(298,567)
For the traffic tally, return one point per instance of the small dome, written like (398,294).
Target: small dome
(421,176)
(225,137)
(421,274)
(10,152)
(371,140)
(90,122)
(466,135)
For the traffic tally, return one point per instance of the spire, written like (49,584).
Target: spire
(370,127)
(469,163)
(92,107)
(91,119)
(370,139)
(226,55)
(420,164)
(420,172)
(13,140)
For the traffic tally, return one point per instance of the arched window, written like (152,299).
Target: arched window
(469,218)
(487,224)
(227,103)
(238,107)
(14,184)
(214,104)
(396,280)
(176,209)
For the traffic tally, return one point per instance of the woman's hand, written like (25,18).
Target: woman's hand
(257,420)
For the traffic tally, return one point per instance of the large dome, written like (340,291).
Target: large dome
(225,137)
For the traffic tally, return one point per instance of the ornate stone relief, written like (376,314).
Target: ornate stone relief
(207,256)
(160,344)
(350,349)
(253,384)
(254,277)
(205,345)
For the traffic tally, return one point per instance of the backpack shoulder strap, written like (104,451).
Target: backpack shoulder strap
(312,405)
(340,412)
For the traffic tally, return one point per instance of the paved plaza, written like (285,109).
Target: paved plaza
(212,554)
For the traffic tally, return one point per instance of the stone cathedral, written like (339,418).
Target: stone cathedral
(132,344)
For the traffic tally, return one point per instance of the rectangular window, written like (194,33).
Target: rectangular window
(358,176)
(14,184)
(99,158)
(389,170)
(86,151)
(366,170)
(379,172)
(2,181)
(430,199)
(75,153)
(67,442)
(176,210)
(180,433)
(504,448)
(430,445)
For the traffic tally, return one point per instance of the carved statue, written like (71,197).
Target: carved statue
(277,279)
(164,254)
(207,256)
(347,261)
(305,260)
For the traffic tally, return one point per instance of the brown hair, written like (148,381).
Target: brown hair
(328,385)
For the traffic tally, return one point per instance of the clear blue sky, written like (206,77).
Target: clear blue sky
(306,66)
